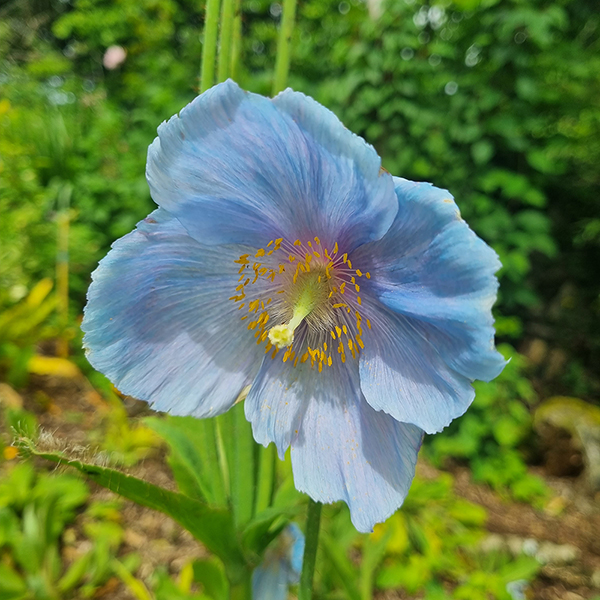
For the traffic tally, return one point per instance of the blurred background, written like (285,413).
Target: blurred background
(496,100)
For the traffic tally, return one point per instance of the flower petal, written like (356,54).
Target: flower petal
(281,566)
(342,449)
(322,125)
(296,553)
(158,323)
(403,373)
(234,168)
(270,581)
(275,403)
(431,268)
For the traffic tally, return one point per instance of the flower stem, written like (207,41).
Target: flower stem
(313,520)
(236,42)
(227,23)
(282,62)
(209,48)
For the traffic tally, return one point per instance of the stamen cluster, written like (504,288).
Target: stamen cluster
(304,299)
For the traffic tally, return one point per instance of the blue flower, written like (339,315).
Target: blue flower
(281,566)
(355,305)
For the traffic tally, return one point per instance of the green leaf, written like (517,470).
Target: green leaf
(194,458)
(507,431)
(374,551)
(468,513)
(136,588)
(12,585)
(265,527)
(523,567)
(209,573)
(482,151)
(410,575)
(22,421)
(75,573)
(9,526)
(213,527)
(344,569)
(166,589)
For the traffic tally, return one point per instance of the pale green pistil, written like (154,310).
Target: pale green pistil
(309,298)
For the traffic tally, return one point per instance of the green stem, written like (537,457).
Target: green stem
(313,520)
(266,477)
(242,472)
(219,424)
(209,49)
(227,19)
(282,62)
(236,42)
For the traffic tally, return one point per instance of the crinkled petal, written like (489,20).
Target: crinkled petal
(236,167)
(159,325)
(433,270)
(342,449)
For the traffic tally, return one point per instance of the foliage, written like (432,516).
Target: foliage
(37,168)
(124,440)
(430,545)
(489,436)
(36,513)
(21,327)
(219,505)
(433,539)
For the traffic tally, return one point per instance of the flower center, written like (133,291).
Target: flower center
(313,291)
(308,295)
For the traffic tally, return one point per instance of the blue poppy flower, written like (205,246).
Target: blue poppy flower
(355,305)
(281,566)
